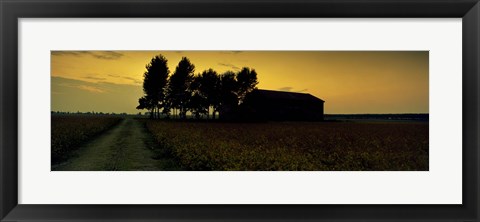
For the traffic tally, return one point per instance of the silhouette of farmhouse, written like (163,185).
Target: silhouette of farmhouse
(270,105)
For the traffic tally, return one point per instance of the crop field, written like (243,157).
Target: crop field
(69,132)
(309,146)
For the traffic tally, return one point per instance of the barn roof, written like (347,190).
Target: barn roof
(282,95)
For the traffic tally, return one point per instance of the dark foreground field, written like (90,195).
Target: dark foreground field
(345,146)
(106,143)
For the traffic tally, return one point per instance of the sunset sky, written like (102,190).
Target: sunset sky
(348,82)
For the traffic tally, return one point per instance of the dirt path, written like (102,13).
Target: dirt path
(127,146)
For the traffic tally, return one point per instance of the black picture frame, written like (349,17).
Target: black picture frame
(11,11)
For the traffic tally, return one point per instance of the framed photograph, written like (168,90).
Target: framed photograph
(228,116)
(225,110)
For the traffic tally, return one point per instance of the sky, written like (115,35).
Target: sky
(350,82)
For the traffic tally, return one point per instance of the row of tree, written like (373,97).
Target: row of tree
(184,91)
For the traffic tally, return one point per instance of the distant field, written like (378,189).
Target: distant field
(70,131)
(345,146)
(421,117)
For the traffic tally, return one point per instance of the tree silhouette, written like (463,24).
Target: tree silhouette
(154,82)
(228,89)
(183,91)
(198,103)
(144,103)
(178,90)
(246,82)
(167,107)
(210,89)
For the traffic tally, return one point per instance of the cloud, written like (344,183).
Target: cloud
(136,81)
(229,65)
(107,55)
(290,89)
(77,84)
(286,88)
(67,53)
(90,89)
(94,78)
(88,86)
(82,95)
(129,78)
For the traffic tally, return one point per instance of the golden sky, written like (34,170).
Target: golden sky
(348,82)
